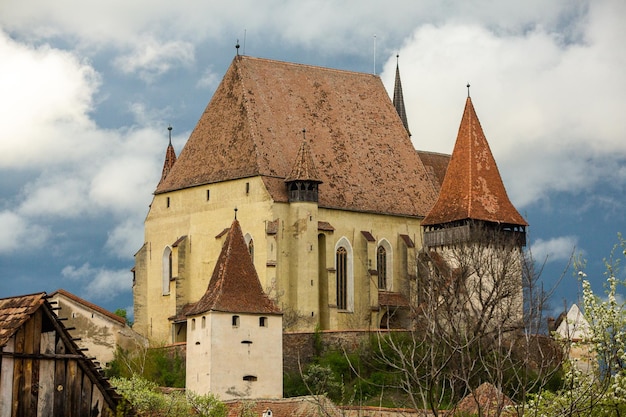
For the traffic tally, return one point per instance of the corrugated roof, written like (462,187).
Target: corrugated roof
(14,311)
(253,123)
(472,187)
(234,285)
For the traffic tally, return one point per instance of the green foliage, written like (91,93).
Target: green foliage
(602,390)
(164,367)
(207,405)
(147,400)
(121,312)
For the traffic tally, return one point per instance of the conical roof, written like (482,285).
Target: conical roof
(304,167)
(472,188)
(235,285)
(363,154)
(170,160)
(398,99)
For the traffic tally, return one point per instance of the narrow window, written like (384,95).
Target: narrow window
(250,378)
(168,202)
(166,270)
(193,324)
(203,322)
(262,321)
(208,195)
(251,249)
(342,278)
(235,321)
(381,263)
(247,187)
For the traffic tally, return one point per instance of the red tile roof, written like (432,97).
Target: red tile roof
(170,160)
(251,127)
(472,187)
(304,166)
(89,305)
(14,312)
(235,285)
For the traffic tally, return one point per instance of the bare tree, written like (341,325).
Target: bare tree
(469,325)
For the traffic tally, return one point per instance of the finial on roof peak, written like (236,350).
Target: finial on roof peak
(236,213)
(170,133)
(304,133)
(468,90)
(237,47)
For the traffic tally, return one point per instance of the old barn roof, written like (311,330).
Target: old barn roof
(235,285)
(472,187)
(252,127)
(14,311)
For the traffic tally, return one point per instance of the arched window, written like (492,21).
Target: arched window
(381,265)
(342,278)
(167,270)
(344,275)
(384,265)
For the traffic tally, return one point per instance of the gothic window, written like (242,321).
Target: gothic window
(384,265)
(344,275)
(381,263)
(342,278)
(167,270)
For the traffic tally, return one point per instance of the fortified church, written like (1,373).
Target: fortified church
(312,172)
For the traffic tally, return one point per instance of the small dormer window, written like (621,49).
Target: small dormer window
(235,321)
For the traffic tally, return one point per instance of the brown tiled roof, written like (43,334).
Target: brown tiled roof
(304,166)
(89,305)
(393,299)
(234,286)
(486,399)
(472,187)
(436,165)
(14,311)
(251,127)
(170,160)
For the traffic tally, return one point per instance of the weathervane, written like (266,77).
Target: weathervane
(468,88)
(170,130)
(237,47)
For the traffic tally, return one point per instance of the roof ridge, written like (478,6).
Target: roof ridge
(297,64)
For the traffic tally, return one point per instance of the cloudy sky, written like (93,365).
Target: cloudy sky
(89,88)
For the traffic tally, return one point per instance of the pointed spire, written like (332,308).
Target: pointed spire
(170,157)
(398,98)
(473,188)
(304,166)
(234,285)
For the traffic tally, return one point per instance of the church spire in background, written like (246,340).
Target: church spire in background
(170,157)
(398,99)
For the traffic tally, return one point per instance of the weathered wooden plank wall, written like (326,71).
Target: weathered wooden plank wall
(40,376)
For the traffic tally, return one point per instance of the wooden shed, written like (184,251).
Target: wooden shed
(43,372)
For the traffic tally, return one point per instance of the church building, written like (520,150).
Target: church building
(331,198)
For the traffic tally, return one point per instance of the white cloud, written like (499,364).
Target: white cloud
(555,249)
(551,110)
(48,96)
(152,58)
(100,283)
(18,234)
(126,238)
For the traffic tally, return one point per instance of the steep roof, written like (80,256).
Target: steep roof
(14,311)
(398,99)
(304,166)
(472,187)
(170,159)
(235,285)
(252,127)
(436,165)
